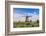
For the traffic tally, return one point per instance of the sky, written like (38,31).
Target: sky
(19,12)
(25,10)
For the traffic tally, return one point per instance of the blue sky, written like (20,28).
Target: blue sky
(25,10)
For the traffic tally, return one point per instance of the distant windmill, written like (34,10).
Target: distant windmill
(27,17)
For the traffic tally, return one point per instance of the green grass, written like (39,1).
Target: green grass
(25,24)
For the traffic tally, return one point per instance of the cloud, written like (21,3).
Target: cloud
(18,17)
(34,17)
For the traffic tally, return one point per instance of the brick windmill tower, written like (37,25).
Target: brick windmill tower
(27,20)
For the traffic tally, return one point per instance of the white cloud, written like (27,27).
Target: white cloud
(35,17)
(18,17)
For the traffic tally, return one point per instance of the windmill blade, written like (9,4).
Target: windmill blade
(29,16)
(23,16)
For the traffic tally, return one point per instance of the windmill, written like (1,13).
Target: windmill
(27,17)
